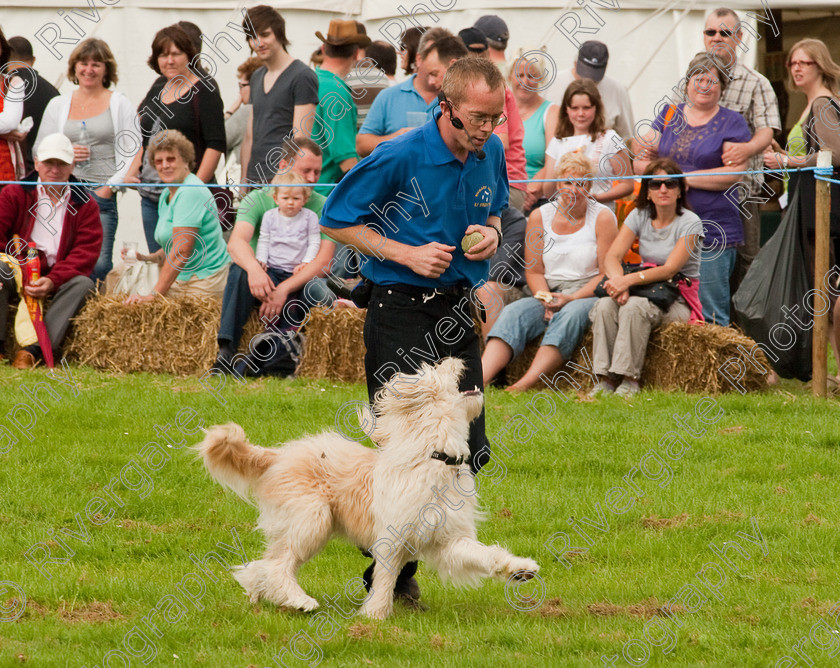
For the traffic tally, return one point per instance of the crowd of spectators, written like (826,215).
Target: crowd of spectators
(294,130)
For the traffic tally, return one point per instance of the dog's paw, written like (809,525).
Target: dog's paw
(522,568)
(372,612)
(304,604)
(246,577)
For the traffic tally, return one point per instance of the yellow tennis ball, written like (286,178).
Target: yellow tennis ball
(471,240)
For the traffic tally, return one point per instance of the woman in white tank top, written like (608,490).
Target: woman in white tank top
(565,243)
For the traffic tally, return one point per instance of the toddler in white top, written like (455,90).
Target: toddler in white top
(289,235)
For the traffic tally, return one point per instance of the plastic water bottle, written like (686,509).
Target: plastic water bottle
(84,140)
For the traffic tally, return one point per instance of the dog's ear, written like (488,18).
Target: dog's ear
(409,392)
(452,368)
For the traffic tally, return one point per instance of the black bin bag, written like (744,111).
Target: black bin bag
(777,277)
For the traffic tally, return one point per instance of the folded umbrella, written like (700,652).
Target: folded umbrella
(31,273)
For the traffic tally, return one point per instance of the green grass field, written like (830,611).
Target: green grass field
(763,474)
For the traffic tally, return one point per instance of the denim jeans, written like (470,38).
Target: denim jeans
(524,320)
(149,212)
(715,270)
(238,302)
(108,216)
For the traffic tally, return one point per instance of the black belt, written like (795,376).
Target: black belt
(427,294)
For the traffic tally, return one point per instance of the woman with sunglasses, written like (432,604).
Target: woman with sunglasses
(565,244)
(668,234)
(581,127)
(694,135)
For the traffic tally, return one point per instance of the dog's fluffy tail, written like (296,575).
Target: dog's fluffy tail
(231,459)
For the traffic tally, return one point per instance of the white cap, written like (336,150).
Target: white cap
(55,147)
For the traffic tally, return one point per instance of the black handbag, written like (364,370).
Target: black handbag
(777,279)
(661,294)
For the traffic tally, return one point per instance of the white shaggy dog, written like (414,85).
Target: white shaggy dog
(398,502)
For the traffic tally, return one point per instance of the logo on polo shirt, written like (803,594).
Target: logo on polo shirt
(483,196)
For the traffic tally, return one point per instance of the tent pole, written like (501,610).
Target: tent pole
(819,359)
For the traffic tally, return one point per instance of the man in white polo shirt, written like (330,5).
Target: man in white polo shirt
(63,223)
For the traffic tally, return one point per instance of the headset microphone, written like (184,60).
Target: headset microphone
(458,124)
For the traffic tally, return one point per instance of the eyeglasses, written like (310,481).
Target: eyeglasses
(670,184)
(800,63)
(478,121)
(722,33)
(244,84)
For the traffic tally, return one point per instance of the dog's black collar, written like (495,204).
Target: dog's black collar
(450,461)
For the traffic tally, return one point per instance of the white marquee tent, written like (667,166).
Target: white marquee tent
(650,41)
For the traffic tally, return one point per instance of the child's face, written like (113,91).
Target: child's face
(290,201)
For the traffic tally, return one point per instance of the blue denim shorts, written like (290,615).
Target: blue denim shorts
(523,320)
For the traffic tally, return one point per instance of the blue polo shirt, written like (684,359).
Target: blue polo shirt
(389,111)
(414,190)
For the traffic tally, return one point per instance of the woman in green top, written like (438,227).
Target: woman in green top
(813,72)
(193,254)
(538,115)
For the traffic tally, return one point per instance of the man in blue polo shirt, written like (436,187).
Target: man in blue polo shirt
(406,208)
(389,115)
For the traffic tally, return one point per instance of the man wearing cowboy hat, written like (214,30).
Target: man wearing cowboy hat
(335,121)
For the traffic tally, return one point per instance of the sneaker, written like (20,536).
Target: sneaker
(601,387)
(627,388)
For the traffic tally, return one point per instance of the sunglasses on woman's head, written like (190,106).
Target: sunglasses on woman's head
(670,184)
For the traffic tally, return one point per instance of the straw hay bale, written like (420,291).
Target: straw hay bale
(334,346)
(179,337)
(680,356)
(687,357)
(176,336)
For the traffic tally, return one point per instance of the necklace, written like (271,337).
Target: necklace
(77,101)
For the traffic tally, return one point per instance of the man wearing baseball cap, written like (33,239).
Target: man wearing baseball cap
(591,63)
(63,224)
(497,34)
